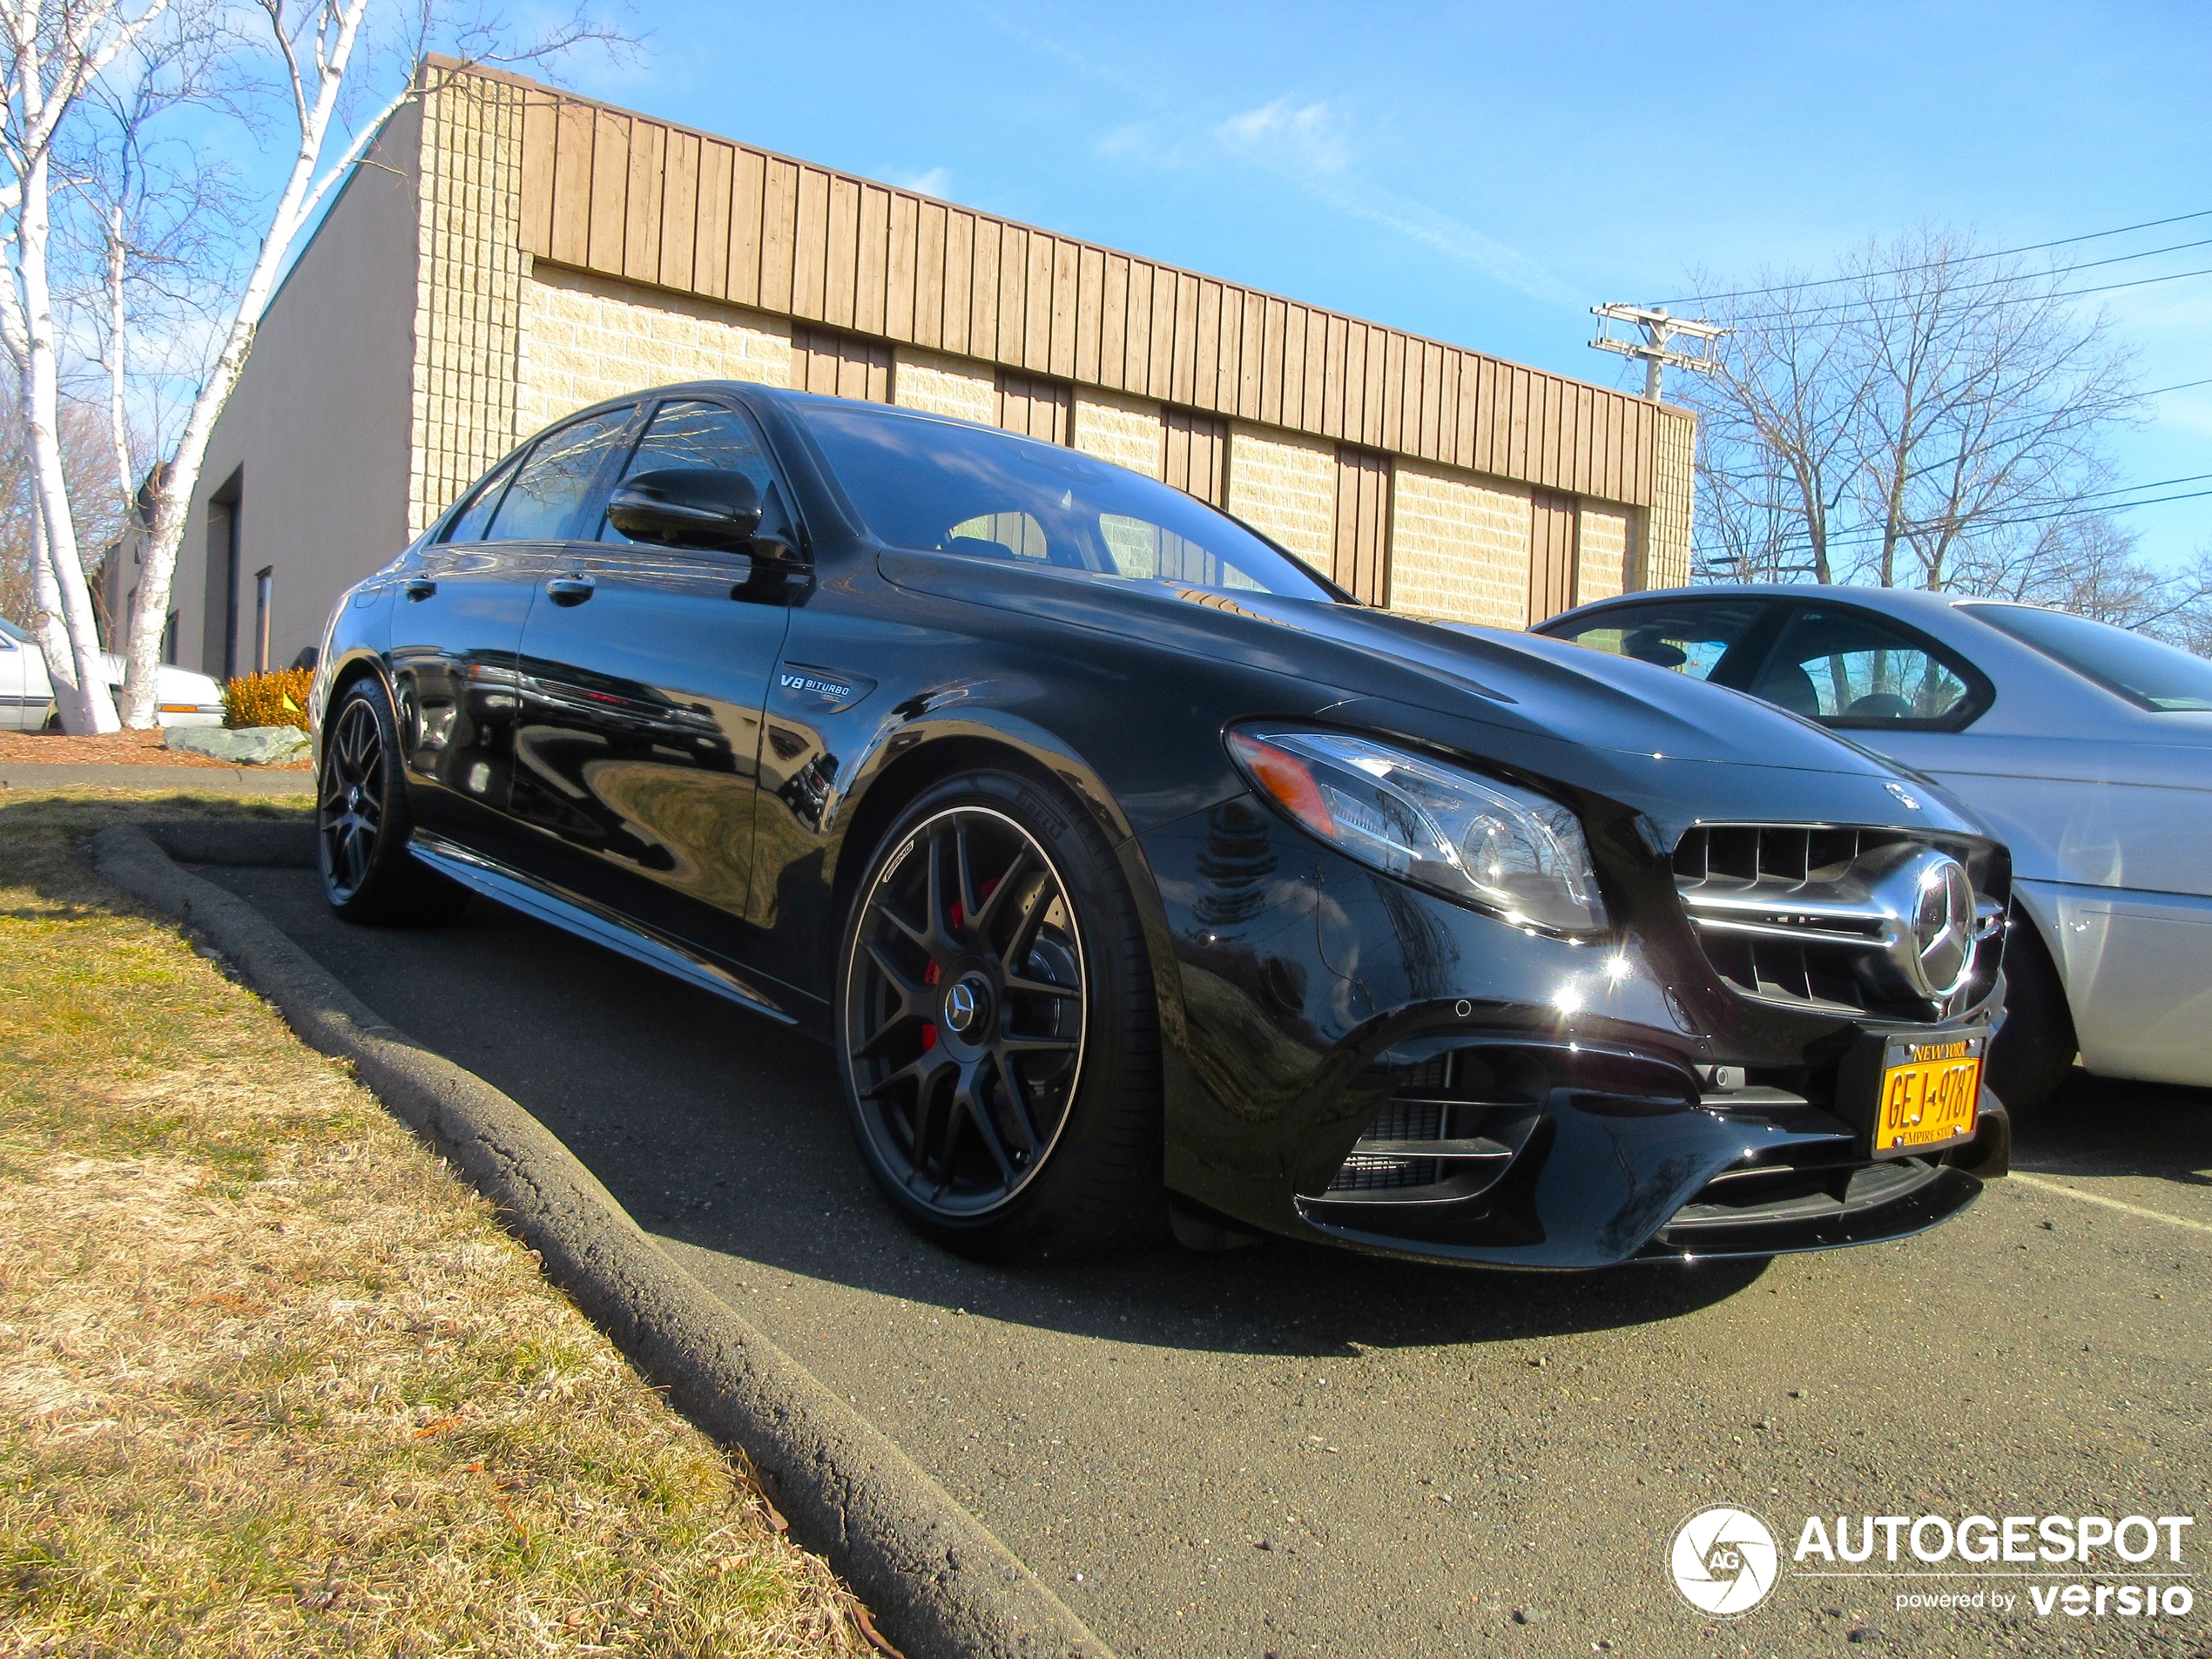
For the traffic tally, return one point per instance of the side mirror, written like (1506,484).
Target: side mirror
(688,507)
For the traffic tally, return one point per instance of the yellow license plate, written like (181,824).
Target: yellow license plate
(1929,1098)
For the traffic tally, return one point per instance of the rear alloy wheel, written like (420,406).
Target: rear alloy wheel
(361,822)
(996,1021)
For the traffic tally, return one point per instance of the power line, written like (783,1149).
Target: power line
(1829,305)
(2182,385)
(1902,270)
(1869,535)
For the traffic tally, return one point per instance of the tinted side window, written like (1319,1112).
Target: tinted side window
(1848,668)
(476,517)
(1691,638)
(688,434)
(551,486)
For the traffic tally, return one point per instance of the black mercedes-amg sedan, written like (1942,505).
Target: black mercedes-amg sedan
(1136,873)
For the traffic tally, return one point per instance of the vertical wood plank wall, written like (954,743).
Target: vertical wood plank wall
(842,365)
(623,194)
(1197,455)
(1552,553)
(1361,562)
(1035,406)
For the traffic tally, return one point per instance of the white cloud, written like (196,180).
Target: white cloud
(1282,139)
(1311,146)
(937,181)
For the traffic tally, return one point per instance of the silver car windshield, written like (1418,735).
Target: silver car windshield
(952,487)
(2148,672)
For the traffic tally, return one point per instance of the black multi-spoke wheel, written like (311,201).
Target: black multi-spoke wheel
(995,1025)
(351,814)
(361,824)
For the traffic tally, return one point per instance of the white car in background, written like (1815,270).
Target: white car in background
(2085,747)
(27,695)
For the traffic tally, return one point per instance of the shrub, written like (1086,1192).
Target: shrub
(276,699)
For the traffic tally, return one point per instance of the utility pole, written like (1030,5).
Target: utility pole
(1659,332)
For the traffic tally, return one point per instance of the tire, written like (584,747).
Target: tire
(2035,1048)
(362,824)
(999,890)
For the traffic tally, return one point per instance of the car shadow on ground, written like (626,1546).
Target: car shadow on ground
(720,1130)
(2095,1127)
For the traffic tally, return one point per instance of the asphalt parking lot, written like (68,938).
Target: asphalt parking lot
(1295,1452)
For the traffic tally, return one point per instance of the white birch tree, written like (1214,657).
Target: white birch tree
(62,54)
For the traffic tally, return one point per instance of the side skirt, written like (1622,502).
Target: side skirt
(503,885)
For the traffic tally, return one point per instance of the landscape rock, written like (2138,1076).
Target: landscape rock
(252,746)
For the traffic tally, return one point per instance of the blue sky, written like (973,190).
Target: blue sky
(1483,173)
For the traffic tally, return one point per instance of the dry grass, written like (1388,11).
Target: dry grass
(273,1381)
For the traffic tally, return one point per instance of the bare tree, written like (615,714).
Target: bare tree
(52,52)
(109,70)
(1899,422)
(85,456)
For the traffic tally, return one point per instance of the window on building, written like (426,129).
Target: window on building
(690,433)
(840,365)
(264,602)
(1360,557)
(1196,456)
(551,484)
(1035,407)
(1553,531)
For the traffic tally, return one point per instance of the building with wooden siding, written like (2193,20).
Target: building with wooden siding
(513,253)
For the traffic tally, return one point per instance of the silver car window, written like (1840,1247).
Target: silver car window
(2149,673)
(1848,667)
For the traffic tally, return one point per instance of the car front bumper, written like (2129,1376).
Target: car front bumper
(1348,1058)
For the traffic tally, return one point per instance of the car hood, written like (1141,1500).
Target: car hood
(1520,683)
(1675,749)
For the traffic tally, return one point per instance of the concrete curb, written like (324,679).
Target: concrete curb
(937,1579)
(229,781)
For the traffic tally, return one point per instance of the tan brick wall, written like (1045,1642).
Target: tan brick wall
(1287,485)
(469,274)
(585,338)
(1602,569)
(1459,547)
(1127,431)
(1667,554)
(937,384)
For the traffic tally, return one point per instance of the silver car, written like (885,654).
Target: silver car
(2085,746)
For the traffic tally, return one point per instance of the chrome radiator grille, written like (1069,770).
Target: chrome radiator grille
(1841,918)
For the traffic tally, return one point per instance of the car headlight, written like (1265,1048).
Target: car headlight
(1478,840)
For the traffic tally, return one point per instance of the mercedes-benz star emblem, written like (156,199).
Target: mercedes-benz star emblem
(961,1007)
(1943,928)
(1930,904)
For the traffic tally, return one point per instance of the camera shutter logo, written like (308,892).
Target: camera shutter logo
(1724,1560)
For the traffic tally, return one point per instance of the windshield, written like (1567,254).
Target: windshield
(14,632)
(952,487)
(2148,673)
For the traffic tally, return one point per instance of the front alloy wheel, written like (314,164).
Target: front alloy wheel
(996,1021)
(965,1035)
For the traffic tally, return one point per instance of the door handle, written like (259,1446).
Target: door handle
(420,587)
(568,589)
